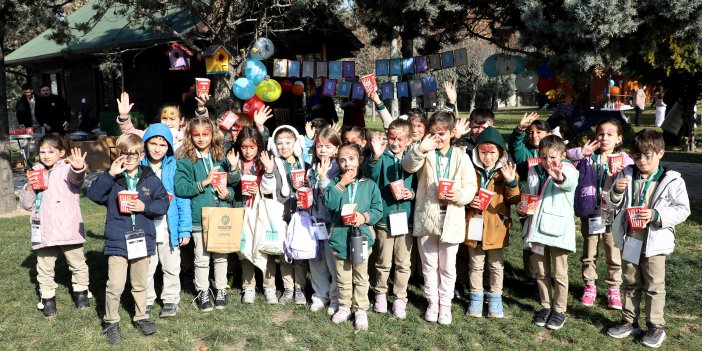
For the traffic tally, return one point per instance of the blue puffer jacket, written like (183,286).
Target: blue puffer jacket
(180,222)
(104,191)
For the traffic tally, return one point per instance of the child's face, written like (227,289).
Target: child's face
(202,138)
(534,135)
(324,149)
(608,136)
(131,162)
(285,143)
(488,154)
(234,132)
(348,159)
(354,137)
(171,118)
(418,130)
(648,161)
(444,135)
(49,155)
(249,149)
(397,140)
(157,147)
(550,157)
(477,128)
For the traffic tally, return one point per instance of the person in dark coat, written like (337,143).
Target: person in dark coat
(30,108)
(56,113)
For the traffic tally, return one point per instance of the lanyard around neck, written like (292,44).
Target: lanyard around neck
(601,170)
(352,192)
(486,177)
(131,186)
(642,194)
(39,197)
(448,164)
(206,161)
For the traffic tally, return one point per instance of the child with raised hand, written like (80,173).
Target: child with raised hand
(550,230)
(357,135)
(323,269)
(663,195)
(56,222)
(130,238)
(258,121)
(311,129)
(439,219)
(394,243)
(347,189)
(497,175)
(248,146)
(173,229)
(284,174)
(597,227)
(200,158)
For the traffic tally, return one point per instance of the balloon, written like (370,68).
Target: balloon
(546,84)
(526,81)
(262,49)
(298,89)
(611,83)
(286,85)
(252,105)
(506,64)
(300,83)
(244,89)
(255,71)
(269,90)
(545,71)
(614,90)
(490,66)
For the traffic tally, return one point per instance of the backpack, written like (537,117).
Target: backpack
(300,242)
(585,197)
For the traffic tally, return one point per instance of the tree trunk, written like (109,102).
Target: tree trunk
(407,51)
(688,99)
(7,191)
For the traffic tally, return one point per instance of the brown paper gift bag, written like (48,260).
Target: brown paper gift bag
(221,227)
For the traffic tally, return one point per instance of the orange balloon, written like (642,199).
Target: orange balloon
(614,90)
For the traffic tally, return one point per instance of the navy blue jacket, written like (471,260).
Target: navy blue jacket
(103,191)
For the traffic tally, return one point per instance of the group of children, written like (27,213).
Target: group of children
(430,184)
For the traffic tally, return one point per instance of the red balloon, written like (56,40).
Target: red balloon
(546,84)
(252,105)
(298,89)
(285,85)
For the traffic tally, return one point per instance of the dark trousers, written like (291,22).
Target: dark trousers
(639,112)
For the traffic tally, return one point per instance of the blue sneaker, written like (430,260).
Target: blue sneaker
(495,305)
(475,308)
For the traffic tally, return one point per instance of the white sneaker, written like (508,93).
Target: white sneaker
(270,296)
(432,313)
(249,296)
(445,317)
(332,308)
(317,305)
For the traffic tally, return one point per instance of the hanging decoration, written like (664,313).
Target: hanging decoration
(526,81)
(262,49)
(179,57)
(255,70)
(269,90)
(244,89)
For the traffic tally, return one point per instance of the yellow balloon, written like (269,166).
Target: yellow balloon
(269,90)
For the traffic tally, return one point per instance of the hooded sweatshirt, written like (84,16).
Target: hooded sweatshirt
(179,217)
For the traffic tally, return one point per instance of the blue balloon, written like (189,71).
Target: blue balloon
(519,68)
(490,66)
(545,71)
(244,89)
(255,71)
(611,83)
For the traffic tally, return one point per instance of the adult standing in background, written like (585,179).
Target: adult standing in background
(660,105)
(57,114)
(30,108)
(639,103)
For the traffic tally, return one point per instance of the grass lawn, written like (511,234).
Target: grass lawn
(264,327)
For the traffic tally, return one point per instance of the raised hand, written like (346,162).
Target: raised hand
(555,170)
(509,171)
(450,91)
(309,130)
(323,168)
(210,175)
(589,148)
(428,143)
(123,105)
(117,166)
(233,158)
(462,127)
(267,161)
(376,99)
(378,143)
(77,161)
(262,115)
(202,100)
(527,119)
(336,126)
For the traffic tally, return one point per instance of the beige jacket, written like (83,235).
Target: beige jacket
(427,205)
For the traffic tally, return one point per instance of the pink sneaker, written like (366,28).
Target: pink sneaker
(589,295)
(614,299)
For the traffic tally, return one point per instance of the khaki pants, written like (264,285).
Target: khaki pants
(495,263)
(589,258)
(294,274)
(248,272)
(648,277)
(353,283)
(553,263)
(46,263)
(202,266)
(170,266)
(116,279)
(398,250)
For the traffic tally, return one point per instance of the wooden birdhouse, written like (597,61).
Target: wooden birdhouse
(216,59)
(179,57)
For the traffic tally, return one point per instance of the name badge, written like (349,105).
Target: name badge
(36,229)
(136,244)
(632,250)
(398,223)
(320,231)
(475,228)
(596,225)
(537,249)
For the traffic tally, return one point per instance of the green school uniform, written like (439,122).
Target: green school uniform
(384,171)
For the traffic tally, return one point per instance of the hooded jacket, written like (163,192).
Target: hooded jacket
(103,191)
(496,218)
(179,217)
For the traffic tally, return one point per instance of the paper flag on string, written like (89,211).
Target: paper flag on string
(430,100)
(280,68)
(408,65)
(322,69)
(415,86)
(335,70)
(461,57)
(294,69)
(396,67)
(402,89)
(357,92)
(329,88)
(344,89)
(447,59)
(387,90)
(308,69)
(435,61)
(382,68)
(348,69)
(421,64)
(429,84)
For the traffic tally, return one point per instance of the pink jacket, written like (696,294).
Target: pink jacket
(59,214)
